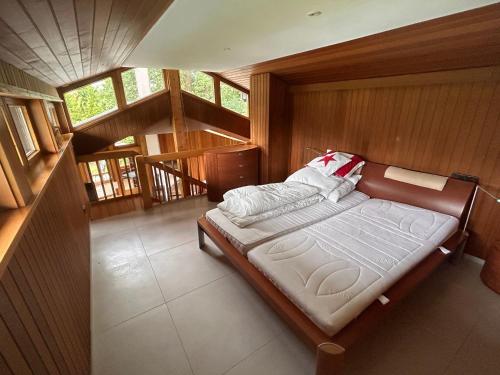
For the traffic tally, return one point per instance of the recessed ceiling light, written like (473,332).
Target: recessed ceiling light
(315,13)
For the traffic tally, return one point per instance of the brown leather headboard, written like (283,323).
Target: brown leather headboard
(453,200)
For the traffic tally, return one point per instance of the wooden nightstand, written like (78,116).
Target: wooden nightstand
(490,274)
(230,168)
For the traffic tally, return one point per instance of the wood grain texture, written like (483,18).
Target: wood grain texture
(269,125)
(438,128)
(462,40)
(203,113)
(61,41)
(151,115)
(45,287)
(16,82)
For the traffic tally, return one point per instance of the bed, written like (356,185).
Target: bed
(257,233)
(362,260)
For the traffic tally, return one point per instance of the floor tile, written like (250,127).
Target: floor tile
(185,268)
(481,350)
(146,345)
(168,233)
(220,325)
(123,283)
(114,224)
(284,355)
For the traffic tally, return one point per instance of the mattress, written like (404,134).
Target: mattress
(336,268)
(246,238)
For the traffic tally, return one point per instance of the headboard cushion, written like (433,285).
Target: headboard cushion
(453,200)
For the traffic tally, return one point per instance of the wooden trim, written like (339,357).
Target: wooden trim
(434,78)
(115,154)
(11,163)
(144,182)
(13,222)
(228,82)
(217,93)
(214,104)
(84,82)
(107,116)
(185,154)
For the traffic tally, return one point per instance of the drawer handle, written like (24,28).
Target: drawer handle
(242,176)
(241,165)
(240,153)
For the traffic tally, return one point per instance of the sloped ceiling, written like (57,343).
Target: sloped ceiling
(62,41)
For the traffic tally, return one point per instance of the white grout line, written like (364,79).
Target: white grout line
(169,314)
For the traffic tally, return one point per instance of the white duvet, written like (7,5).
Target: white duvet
(249,204)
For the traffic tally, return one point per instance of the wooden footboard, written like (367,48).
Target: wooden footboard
(329,350)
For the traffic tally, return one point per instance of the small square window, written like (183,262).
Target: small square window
(23,129)
(199,84)
(234,99)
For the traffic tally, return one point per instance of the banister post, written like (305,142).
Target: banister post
(147,201)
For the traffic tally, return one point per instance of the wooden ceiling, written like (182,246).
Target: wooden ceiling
(462,40)
(62,41)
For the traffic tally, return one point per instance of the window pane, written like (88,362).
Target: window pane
(130,140)
(234,99)
(22,128)
(90,102)
(141,82)
(199,84)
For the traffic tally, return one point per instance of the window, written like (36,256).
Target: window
(234,99)
(89,102)
(23,129)
(199,84)
(141,82)
(127,141)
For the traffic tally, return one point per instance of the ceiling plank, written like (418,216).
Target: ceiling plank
(63,41)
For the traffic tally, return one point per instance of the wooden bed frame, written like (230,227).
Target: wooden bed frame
(453,200)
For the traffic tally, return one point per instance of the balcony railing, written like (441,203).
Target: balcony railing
(109,175)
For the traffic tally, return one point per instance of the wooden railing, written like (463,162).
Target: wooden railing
(171,176)
(109,175)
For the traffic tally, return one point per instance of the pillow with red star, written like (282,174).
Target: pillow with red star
(329,163)
(353,166)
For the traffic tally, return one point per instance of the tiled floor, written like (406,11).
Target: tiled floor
(161,306)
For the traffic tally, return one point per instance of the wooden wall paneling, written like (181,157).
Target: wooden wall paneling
(61,41)
(45,283)
(149,116)
(269,124)
(22,83)
(441,128)
(207,113)
(462,40)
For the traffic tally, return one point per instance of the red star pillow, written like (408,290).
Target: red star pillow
(354,164)
(329,163)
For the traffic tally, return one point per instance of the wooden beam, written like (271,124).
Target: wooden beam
(178,122)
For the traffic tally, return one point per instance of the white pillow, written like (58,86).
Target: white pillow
(344,188)
(311,176)
(329,163)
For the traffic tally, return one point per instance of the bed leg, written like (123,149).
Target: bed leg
(329,359)
(201,238)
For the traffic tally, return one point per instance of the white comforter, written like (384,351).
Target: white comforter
(249,204)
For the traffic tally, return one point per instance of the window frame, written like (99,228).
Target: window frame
(214,79)
(77,85)
(144,98)
(237,89)
(26,160)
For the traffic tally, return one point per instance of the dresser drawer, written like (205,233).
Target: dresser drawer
(229,182)
(235,167)
(238,157)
